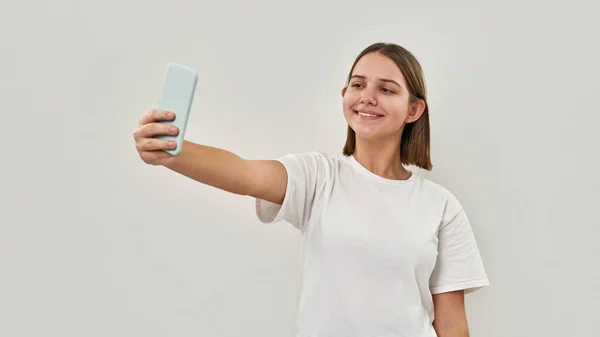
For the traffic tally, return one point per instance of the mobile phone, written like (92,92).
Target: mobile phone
(177,95)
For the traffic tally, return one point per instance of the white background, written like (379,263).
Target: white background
(95,243)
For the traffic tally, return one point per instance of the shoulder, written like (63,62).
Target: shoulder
(312,161)
(312,157)
(445,199)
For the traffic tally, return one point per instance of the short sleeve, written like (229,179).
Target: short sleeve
(459,264)
(306,176)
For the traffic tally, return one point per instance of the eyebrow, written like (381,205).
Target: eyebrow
(381,79)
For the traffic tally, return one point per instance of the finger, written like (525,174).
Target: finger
(155,129)
(156,115)
(154,144)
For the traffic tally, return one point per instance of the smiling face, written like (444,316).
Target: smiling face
(376,102)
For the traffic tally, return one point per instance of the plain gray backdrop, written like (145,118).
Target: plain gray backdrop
(93,242)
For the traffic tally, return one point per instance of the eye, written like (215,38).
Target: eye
(387,91)
(356,85)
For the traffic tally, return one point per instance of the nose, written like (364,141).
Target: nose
(367,99)
(367,96)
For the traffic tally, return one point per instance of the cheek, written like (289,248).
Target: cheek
(397,109)
(351,98)
(348,103)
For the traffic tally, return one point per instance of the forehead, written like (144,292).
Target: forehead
(378,66)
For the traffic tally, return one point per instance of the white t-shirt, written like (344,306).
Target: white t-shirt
(374,250)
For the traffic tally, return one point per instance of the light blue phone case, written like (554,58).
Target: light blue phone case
(177,96)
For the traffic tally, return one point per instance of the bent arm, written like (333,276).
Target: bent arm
(263,179)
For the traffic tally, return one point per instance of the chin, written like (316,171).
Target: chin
(366,132)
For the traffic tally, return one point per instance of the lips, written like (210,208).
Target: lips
(368,115)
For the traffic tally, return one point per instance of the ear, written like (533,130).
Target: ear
(344,91)
(415,111)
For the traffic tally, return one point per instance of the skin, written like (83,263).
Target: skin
(380,88)
(450,314)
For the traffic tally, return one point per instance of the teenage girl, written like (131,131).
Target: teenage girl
(385,252)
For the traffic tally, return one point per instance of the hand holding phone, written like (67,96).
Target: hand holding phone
(177,96)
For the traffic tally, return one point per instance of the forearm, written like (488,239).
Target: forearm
(212,166)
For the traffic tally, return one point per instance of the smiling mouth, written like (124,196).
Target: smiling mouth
(367,115)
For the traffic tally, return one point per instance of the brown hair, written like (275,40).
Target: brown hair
(414,144)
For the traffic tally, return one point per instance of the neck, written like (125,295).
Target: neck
(382,157)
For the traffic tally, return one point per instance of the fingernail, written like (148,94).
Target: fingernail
(173,129)
(170,115)
(172,144)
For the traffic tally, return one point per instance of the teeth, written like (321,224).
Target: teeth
(366,114)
